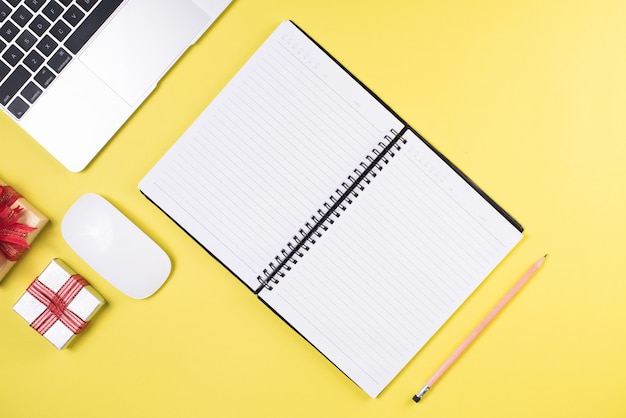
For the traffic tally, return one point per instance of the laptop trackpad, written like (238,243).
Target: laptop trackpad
(140,44)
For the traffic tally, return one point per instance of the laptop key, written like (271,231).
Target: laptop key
(86,4)
(13,55)
(9,31)
(66,2)
(60,30)
(4,70)
(13,84)
(13,3)
(39,25)
(5,10)
(31,92)
(91,24)
(53,10)
(47,45)
(59,60)
(18,107)
(45,77)
(21,16)
(26,40)
(73,15)
(34,5)
(33,61)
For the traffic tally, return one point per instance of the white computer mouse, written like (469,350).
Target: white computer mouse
(115,247)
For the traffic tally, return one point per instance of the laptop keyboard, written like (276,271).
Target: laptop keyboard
(38,38)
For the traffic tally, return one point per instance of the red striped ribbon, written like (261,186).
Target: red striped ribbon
(56,305)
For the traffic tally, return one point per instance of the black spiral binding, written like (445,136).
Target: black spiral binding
(337,203)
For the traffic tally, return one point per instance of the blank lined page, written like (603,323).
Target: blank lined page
(394,267)
(271,148)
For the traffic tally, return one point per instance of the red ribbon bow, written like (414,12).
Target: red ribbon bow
(12,233)
(56,305)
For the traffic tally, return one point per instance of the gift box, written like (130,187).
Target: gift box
(20,223)
(59,304)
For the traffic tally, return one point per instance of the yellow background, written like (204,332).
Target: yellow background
(527,97)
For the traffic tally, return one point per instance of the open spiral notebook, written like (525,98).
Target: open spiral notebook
(343,220)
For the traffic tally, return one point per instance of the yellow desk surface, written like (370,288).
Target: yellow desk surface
(527,97)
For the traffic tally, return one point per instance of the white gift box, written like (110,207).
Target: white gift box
(59,304)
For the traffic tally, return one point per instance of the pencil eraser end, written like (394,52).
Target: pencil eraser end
(416,398)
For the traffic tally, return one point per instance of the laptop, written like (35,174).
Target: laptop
(73,71)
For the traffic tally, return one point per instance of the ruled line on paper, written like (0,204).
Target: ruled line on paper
(389,272)
(266,154)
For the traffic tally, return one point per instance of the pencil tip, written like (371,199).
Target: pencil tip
(539,262)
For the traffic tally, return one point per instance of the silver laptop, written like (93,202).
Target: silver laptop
(73,71)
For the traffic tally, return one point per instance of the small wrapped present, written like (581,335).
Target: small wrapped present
(59,304)
(20,222)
